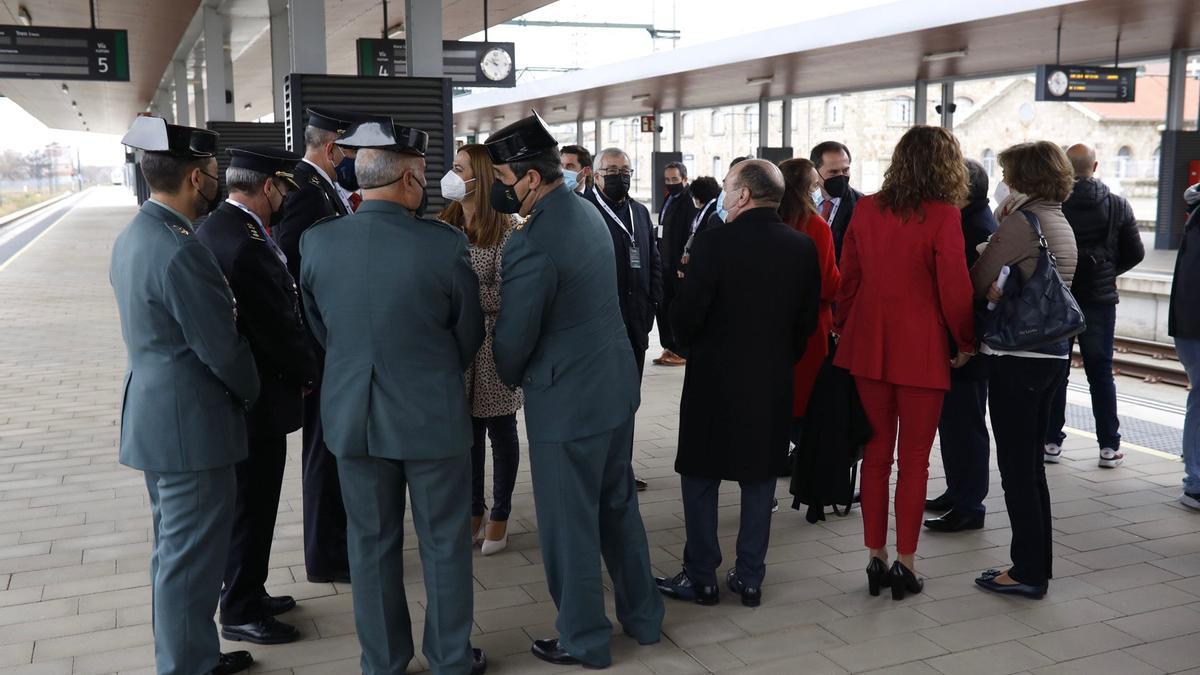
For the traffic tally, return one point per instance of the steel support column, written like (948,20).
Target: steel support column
(214,65)
(599,141)
(677,131)
(657,144)
(423,37)
(579,132)
(306,27)
(764,123)
(1176,84)
(921,102)
(179,74)
(948,105)
(786,120)
(198,90)
(281,58)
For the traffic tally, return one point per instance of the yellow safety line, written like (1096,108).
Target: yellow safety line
(1125,445)
(33,241)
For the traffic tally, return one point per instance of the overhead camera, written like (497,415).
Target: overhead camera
(953,108)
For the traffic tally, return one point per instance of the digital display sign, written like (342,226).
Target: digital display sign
(1086,84)
(467,64)
(37,52)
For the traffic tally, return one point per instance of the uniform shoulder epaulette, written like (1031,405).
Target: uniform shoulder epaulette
(326,219)
(440,223)
(253,232)
(314,180)
(176,228)
(522,223)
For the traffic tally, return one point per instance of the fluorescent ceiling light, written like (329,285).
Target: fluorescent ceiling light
(765,79)
(559,108)
(944,56)
(640,97)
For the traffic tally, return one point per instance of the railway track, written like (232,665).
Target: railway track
(1154,362)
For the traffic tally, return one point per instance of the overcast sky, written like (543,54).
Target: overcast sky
(698,21)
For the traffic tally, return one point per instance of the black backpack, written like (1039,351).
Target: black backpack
(1036,312)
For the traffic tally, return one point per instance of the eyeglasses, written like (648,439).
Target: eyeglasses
(614,171)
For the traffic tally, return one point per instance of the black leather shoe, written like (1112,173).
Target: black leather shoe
(989,583)
(478,662)
(280,604)
(857,498)
(904,580)
(681,587)
(550,652)
(331,579)
(641,484)
(955,521)
(268,631)
(940,503)
(233,662)
(751,595)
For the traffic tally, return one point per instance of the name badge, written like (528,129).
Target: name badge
(635,258)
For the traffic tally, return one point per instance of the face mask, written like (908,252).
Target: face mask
(1001,193)
(675,189)
(274,208)
(504,197)
(816,195)
(616,187)
(345,174)
(420,210)
(210,203)
(837,186)
(570,179)
(725,207)
(454,187)
(721,212)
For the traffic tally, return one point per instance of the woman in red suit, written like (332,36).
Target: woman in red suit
(797,209)
(904,286)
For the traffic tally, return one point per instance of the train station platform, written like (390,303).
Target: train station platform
(74,535)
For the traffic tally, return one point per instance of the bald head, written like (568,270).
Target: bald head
(752,184)
(1083,160)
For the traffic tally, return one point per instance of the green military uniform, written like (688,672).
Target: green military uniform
(395,303)
(191,378)
(560,337)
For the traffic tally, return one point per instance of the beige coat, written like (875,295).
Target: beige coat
(1016,245)
(489,396)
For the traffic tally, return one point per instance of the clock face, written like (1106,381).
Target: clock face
(1057,83)
(496,64)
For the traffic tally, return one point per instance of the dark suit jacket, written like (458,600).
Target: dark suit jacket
(676,222)
(639,290)
(268,315)
(316,200)
(841,220)
(743,313)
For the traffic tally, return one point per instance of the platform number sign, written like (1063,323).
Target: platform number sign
(38,52)
(467,64)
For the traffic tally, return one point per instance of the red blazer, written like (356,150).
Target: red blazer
(818,343)
(904,284)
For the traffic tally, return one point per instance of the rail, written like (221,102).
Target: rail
(1154,362)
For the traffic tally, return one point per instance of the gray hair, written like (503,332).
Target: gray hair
(376,168)
(246,181)
(609,152)
(762,178)
(315,138)
(678,166)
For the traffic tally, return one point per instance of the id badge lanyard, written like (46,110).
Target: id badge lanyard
(635,256)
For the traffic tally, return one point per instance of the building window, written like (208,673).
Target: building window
(900,111)
(1156,161)
(690,162)
(614,130)
(989,161)
(750,115)
(1124,162)
(716,168)
(718,123)
(833,111)
(688,123)
(963,106)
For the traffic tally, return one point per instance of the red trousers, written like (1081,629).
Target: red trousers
(915,411)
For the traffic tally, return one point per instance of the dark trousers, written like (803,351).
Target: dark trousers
(666,336)
(702,552)
(325,554)
(1096,347)
(259,480)
(1021,391)
(965,443)
(506,457)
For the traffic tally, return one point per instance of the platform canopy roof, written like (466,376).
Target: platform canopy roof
(157,28)
(874,48)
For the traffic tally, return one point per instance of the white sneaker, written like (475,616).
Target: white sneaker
(1052,453)
(1110,459)
(1190,500)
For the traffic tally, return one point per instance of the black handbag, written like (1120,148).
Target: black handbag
(1036,312)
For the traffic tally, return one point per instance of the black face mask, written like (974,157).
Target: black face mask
(345,174)
(675,189)
(616,187)
(837,186)
(504,197)
(420,212)
(211,203)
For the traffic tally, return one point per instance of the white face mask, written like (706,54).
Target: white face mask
(816,195)
(454,187)
(1001,193)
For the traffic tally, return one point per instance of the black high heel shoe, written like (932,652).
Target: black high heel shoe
(904,580)
(877,576)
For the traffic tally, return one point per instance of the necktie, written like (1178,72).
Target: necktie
(355,199)
(826,209)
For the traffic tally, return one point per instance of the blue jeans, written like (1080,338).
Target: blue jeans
(1189,356)
(1096,346)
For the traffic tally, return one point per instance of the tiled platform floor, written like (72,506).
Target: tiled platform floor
(74,539)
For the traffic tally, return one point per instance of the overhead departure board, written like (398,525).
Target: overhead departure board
(1086,83)
(64,53)
(467,64)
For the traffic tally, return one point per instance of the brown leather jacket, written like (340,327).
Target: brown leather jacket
(1016,245)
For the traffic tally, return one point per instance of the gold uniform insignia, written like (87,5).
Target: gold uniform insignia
(253,232)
